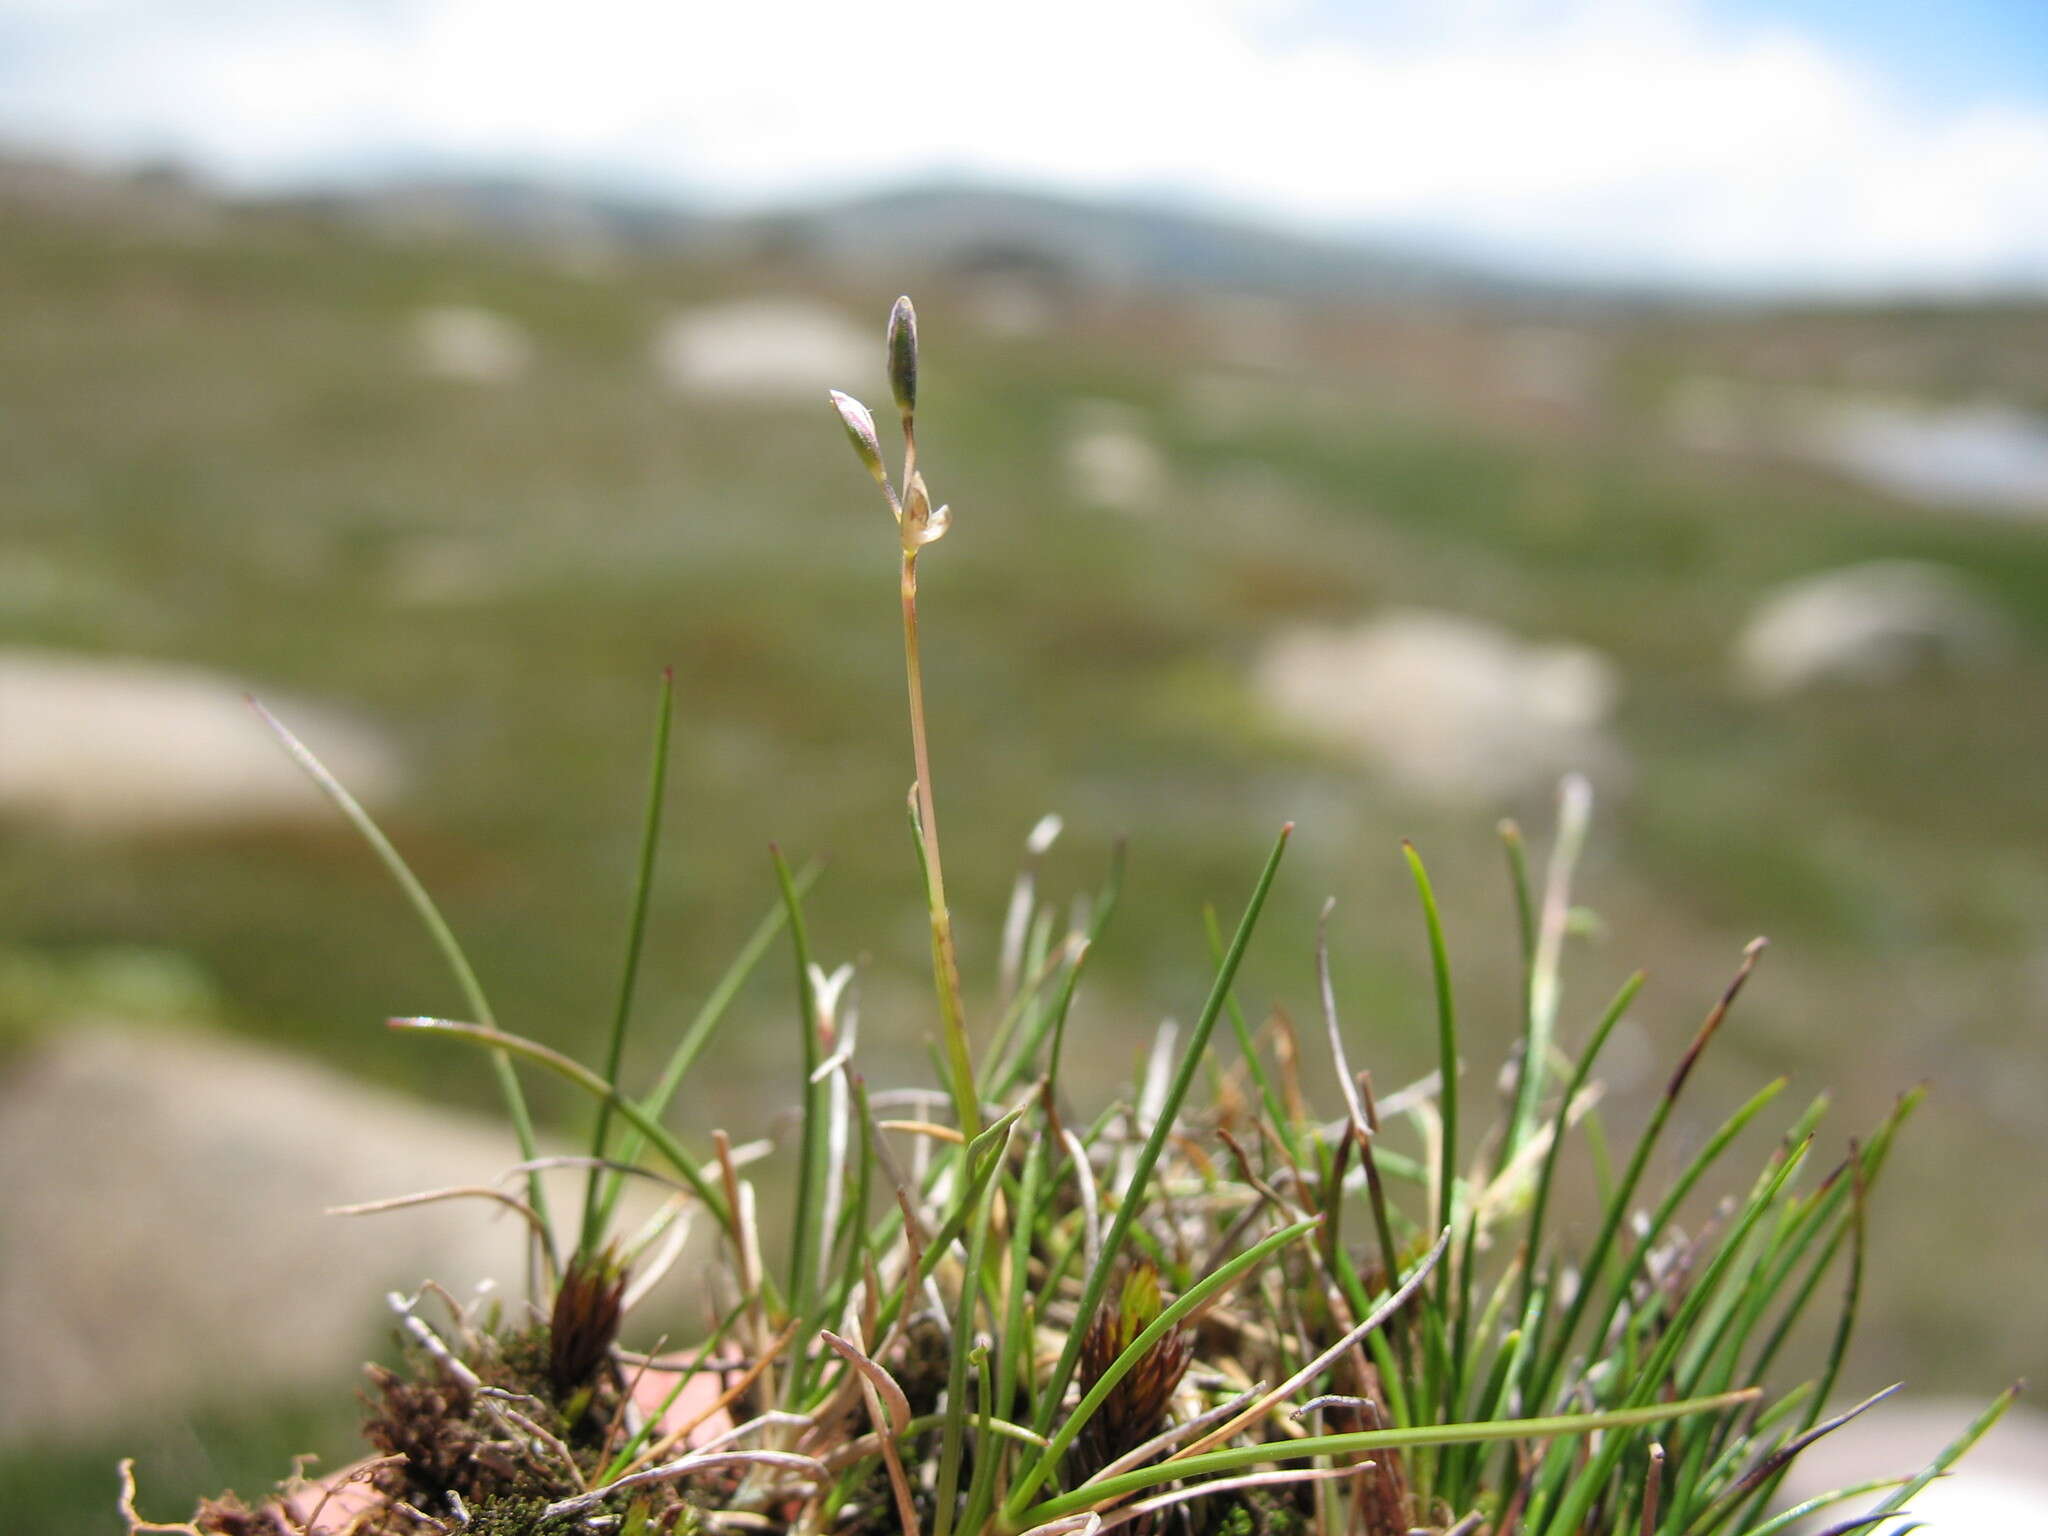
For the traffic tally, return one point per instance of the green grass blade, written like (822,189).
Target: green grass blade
(1574,809)
(804,1235)
(981,1163)
(1162,1127)
(953,1432)
(442,935)
(1950,1454)
(1539,1209)
(1529,1080)
(1447,1054)
(710,1014)
(1169,1318)
(1451,1383)
(1364,1443)
(575,1072)
(1549,1368)
(1015,1359)
(1247,1044)
(1098,924)
(1674,1197)
(594,1209)
(1650,1376)
(1776,1462)
(1797,1514)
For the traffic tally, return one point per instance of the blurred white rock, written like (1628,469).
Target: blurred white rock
(165,1232)
(1111,464)
(1221,404)
(1551,365)
(2000,1487)
(765,350)
(448,571)
(470,345)
(1449,707)
(114,746)
(1711,415)
(1010,305)
(1871,623)
(164,1235)
(1254,331)
(1988,455)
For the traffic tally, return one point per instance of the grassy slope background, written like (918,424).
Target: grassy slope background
(217,452)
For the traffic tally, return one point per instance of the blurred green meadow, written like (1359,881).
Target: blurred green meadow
(220,452)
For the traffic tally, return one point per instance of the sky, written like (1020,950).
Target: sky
(1823,145)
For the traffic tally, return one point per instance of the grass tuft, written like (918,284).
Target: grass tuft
(1269,1306)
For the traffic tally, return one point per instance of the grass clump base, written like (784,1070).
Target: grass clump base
(1254,1298)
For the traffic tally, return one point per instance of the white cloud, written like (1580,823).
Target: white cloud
(1626,137)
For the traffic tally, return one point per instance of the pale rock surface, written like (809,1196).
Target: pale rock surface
(1010,306)
(470,345)
(1111,463)
(1988,455)
(1253,331)
(772,351)
(161,1229)
(1221,404)
(1709,414)
(1872,623)
(1551,365)
(1451,708)
(107,745)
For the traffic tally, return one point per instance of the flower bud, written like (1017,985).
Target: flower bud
(903,356)
(860,431)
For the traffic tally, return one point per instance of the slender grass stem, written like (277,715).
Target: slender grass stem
(945,960)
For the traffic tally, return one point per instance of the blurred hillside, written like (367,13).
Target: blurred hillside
(1244,531)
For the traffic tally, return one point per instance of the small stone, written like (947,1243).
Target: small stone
(764,351)
(1870,624)
(470,345)
(114,746)
(1111,464)
(1452,709)
(173,1244)
(1986,456)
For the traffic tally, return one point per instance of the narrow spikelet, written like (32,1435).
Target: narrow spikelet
(1135,1409)
(903,356)
(860,431)
(585,1321)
